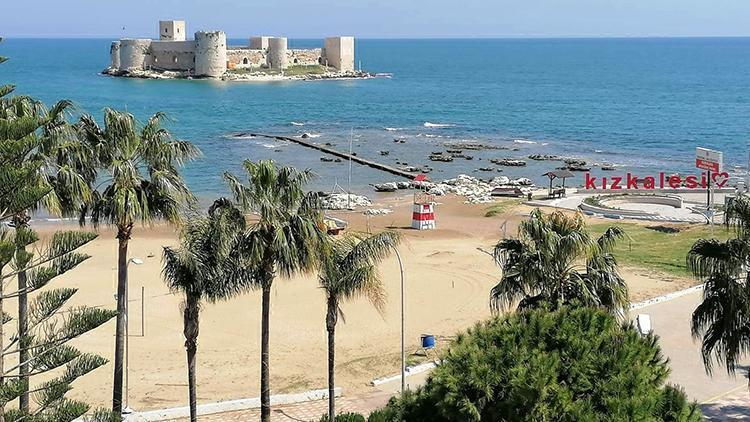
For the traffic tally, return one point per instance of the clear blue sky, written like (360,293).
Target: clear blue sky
(380,18)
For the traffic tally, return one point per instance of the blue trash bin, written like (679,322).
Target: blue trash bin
(428,341)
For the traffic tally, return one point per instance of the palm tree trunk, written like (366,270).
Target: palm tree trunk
(265,385)
(123,236)
(191,319)
(331,318)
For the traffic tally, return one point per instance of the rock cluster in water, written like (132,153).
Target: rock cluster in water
(476,191)
(342,201)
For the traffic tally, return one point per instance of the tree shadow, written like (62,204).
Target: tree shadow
(734,406)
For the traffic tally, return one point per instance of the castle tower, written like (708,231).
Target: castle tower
(210,53)
(259,43)
(339,52)
(277,48)
(134,54)
(172,30)
(114,55)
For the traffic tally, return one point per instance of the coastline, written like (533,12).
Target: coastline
(237,77)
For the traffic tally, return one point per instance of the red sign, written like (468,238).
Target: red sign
(707,165)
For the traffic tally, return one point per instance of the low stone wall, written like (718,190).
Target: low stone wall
(304,57)
(669,200)
(243,58)
(593,209)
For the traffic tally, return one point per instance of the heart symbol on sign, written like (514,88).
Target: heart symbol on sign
(720,179)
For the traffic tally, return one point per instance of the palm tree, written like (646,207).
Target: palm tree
(202,270)
(349,270)
(723,318)
(284,240)
(140,184)
(555,261)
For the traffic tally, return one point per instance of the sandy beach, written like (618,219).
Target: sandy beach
(447,286)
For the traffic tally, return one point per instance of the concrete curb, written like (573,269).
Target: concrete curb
(229,406)
(412,370)
(665,298)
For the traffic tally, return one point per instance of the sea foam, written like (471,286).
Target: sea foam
(438,125)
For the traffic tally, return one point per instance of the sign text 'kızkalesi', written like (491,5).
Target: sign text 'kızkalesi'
(660,181)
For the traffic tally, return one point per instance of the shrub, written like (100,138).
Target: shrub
(571,364)
(345,417)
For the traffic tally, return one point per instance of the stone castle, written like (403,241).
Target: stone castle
(208,55)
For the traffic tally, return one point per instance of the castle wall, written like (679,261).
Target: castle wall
(114,55)
(339,52)
(173,55)
(309,57)
(210,53)
(134,54)
(244,58)
(277,53)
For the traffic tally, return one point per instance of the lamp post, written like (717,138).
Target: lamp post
(403,354)
(127,410)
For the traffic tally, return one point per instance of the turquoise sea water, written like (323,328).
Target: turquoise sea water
(644,104)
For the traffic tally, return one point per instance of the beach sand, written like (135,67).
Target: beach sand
(447,286)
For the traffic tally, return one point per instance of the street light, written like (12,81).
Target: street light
(127,410)
(403,354)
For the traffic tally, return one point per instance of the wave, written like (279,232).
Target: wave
(240,136)
(311,135)
(393,129)
(522,141)
(297,124)
(438,125)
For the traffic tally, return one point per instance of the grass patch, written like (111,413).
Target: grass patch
(500,207)
(296,70)
(299,70)
(656,249)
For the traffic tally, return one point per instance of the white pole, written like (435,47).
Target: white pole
(127,409)
(127,354)
(403,353)
(349,190)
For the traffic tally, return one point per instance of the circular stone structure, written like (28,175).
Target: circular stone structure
(657,207)
(134,54)
(277,48)
(210,53)
(114,55)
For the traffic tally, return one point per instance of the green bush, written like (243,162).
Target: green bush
(345,417)
(572,365)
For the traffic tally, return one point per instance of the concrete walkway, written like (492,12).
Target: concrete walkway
(309,411)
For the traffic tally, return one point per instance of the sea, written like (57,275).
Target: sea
(640,105)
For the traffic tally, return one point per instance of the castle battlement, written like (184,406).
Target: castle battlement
(208,54)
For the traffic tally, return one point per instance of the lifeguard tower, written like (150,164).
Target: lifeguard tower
(423,213)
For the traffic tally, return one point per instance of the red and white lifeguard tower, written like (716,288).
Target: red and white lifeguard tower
(423,213)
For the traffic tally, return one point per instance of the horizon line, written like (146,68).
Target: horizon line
(439,37)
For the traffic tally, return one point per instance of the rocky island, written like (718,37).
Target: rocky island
(208,55)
